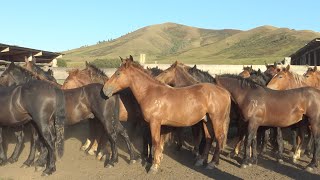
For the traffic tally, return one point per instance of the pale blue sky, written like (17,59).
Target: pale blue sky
(59,25)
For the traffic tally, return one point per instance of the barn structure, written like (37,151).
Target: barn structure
(11,53)
(307,55)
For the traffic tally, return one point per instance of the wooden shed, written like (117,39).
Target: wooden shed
(307,55)
(11,53)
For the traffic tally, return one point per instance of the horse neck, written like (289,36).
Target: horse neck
(141,83)
(236,89)
(183,79)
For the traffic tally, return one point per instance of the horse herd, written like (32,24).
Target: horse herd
(155,100)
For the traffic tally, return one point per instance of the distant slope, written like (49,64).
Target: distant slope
(168,42)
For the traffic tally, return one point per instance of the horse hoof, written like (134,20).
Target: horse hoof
(91,153)
(199,162)
(210,166)
(11,160)
(250,164)
(39,168)
(309,169)
(108,166)
(153,170)
(44,174)
(132,161)
(294,161)
(244,166)
(280,161)
(24,166)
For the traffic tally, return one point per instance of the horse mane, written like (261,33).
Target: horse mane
(34,75)
(140,68)
(205,73)
(245,82)
(99,71)
(299,79)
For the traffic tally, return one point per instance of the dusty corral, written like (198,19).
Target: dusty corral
(75,164)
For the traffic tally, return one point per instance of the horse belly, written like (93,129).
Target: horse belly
(13,118)
(75,115)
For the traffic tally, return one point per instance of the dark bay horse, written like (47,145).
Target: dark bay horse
(129,108)
(178,107)
(261,106)
(31,66)
(80,104)
(41,103)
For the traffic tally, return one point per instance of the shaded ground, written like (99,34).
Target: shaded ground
(75,164)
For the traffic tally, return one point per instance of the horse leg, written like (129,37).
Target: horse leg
(155,128)
(42,159)
(280,145)
(266,137)
(316,149)
(124,134)
(33,143)
(204,156)
(112,137)
(294,140)
(242,130)
(197,136)
(18,131)
(95,136)
(300,141)
(147,143)
(3,156)
(309,144)
(178,133)
(252,133)
(219,134)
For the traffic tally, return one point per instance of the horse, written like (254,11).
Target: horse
(284,80)
(177,76)
(312,77)
(262,106)
(40,103)
(178,107)
(272,69)
(80,104)
(155,71)
(129,109)
(31,66)
(247,71)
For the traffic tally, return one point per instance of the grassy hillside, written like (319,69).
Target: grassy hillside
(168,42)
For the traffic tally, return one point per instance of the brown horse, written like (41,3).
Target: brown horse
(129,109)
(247,70)
(272,69)
(285,80)
(177,76)
(261,106)
(312,77)
(164,105)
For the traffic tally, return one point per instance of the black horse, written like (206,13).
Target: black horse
(42,104)
(83,103)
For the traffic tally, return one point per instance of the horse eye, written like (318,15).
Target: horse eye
(118,73)
(307,76)
(280,76)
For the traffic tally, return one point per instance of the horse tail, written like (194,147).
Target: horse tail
(226,123)
(60,118)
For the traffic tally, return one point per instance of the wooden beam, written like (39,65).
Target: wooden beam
(38,54)
(7,49)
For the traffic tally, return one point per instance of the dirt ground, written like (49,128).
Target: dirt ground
(75,164)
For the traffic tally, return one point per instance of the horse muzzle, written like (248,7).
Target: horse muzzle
(108,91)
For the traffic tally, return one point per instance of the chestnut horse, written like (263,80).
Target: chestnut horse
(177,76)
(178,107)
(285,80)
(312,77)
(261,106)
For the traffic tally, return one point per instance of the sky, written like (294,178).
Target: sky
(60,25)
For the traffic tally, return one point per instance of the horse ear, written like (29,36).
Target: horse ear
(288,67)
(265,62)
(121,58)
(194,67)
(87,63)
(11,65)
(275,64)
(130,58)
(259,71)
(315,68)
(251,67)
